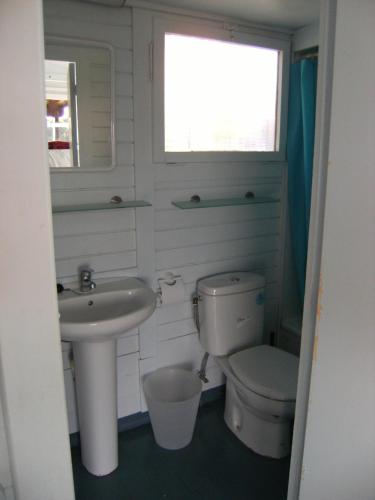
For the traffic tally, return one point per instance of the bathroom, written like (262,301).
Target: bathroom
(152,240)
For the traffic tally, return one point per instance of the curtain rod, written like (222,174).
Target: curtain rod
(310,53)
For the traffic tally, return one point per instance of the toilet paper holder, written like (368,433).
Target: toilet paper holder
(169,280)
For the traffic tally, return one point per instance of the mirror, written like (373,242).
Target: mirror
(79,104)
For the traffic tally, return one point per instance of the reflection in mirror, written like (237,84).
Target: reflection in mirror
(79,110)
(61,114)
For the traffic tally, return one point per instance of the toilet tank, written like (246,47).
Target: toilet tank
(231,311)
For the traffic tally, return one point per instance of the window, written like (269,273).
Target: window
(218,95)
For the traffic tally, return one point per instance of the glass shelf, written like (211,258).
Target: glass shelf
(99,206)
(224,202)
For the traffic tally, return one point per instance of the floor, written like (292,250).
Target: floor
(215,466)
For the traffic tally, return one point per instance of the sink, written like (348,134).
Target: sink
(92,322)
(107,312)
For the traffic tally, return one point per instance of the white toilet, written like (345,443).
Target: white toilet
(261,380)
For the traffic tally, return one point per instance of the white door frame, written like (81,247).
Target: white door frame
(322,129)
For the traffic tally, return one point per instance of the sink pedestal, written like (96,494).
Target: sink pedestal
(96,386)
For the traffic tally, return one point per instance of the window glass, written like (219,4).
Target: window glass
(219,96)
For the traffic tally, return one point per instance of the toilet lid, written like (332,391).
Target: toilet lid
(268,371)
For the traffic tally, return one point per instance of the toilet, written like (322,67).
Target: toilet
(261,380)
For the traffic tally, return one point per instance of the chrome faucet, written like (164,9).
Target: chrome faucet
(86,283)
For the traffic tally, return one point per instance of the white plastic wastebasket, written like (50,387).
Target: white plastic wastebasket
(172,396)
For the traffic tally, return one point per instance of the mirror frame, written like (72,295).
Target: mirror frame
(71,41)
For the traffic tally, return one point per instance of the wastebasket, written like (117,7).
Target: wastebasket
(172,396)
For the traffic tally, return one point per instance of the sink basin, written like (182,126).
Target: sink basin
(107,312)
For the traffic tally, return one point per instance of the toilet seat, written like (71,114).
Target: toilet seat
(261,423)
(279,408)
(267,371)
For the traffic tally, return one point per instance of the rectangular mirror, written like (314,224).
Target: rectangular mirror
(79,104)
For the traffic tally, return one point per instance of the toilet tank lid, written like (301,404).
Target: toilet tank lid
(268,371)
(228,283)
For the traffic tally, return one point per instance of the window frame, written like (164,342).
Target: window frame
(163,26)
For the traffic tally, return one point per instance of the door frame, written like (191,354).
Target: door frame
(318,196)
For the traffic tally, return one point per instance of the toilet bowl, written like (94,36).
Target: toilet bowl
(259,408)
(261,380)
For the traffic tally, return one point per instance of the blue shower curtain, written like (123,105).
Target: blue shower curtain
(300,149)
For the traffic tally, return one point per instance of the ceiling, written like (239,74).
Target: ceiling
(290,14)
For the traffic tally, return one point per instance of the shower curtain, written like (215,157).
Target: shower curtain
(300,149)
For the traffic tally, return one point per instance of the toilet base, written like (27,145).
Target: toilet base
(266,435)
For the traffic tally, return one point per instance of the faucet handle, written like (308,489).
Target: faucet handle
(85,278)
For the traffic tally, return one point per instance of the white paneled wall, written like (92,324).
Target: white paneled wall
(196,243)
(105,240)
(193,243)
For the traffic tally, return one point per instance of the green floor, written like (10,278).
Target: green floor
(215,466)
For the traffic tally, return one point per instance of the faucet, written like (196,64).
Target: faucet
(86,283)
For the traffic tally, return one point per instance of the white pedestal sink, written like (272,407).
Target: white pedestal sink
(92,322)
